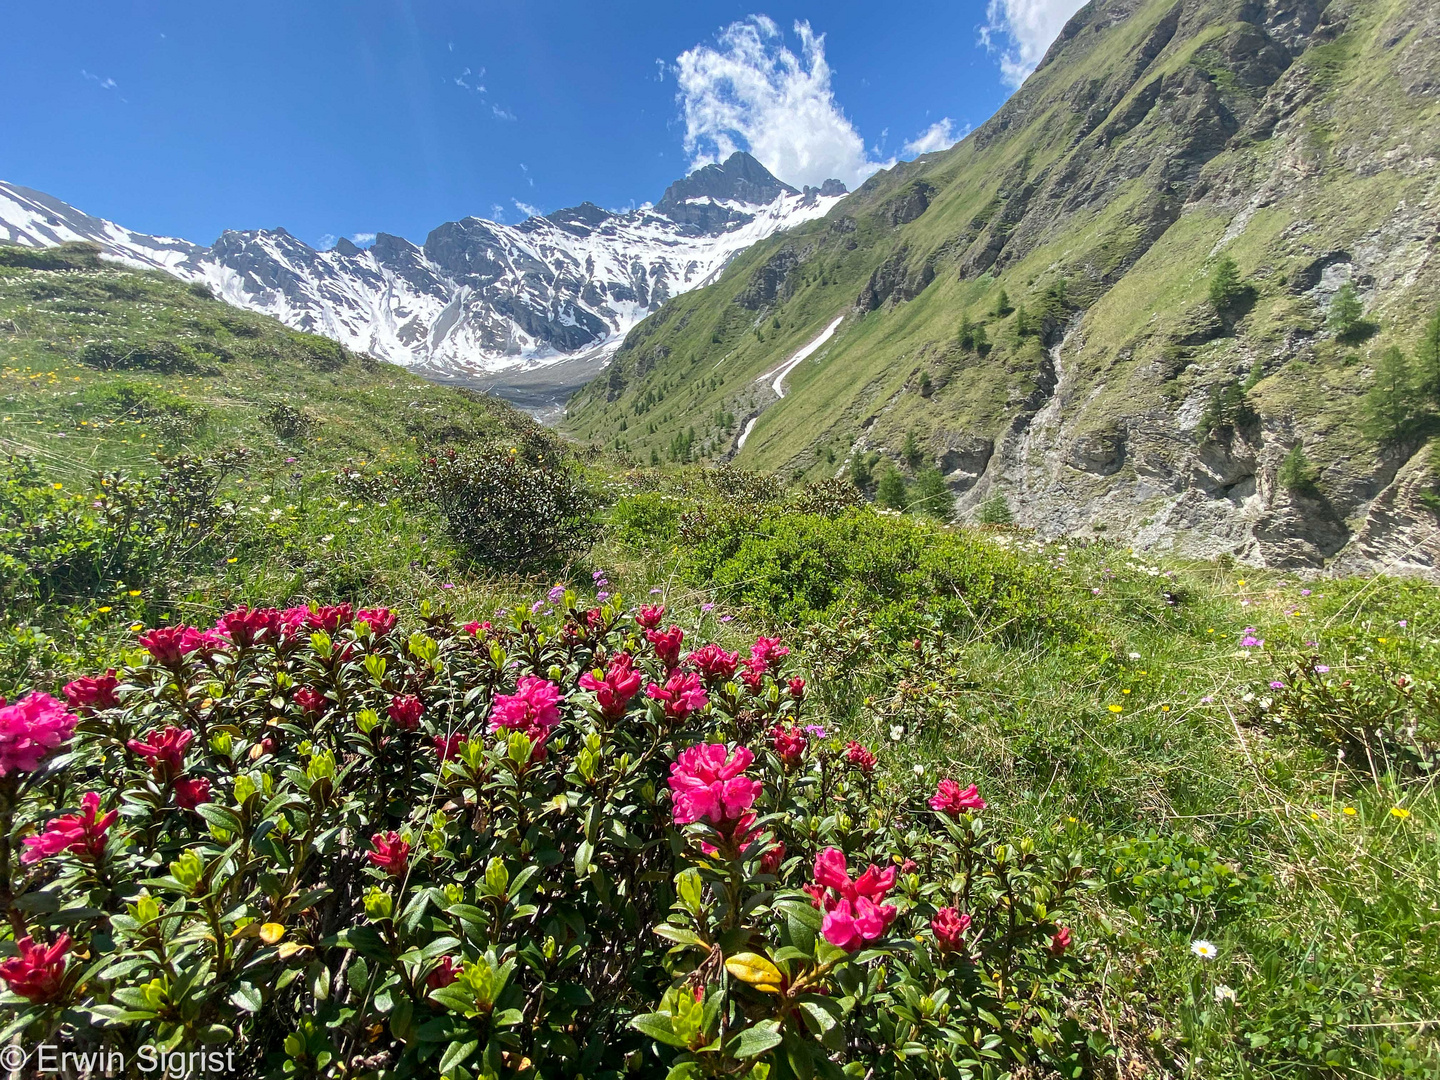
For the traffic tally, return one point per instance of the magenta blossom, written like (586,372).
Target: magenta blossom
(82,834)
(950,799)
(380,620)
(769,652)
(708,783)
(534,708)
(169,645)
(854,910)
(30,730)
(667,645)
(681,695)
(164,750)
(96,693)
(37,973)
(715,665)
(406,710)
(615,687)
(191,793)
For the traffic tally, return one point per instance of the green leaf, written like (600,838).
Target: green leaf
(247,997)
(656,1026)
(756,1040)
(221,817)
(457,1052)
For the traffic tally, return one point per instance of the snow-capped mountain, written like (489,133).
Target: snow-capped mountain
(527,310)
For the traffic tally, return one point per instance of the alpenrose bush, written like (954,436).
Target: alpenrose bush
(581,846)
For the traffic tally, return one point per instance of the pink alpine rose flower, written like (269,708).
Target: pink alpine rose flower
(859,757)
(789,744)
(1060,941)
(169,645)
(191,793)
(380,620)
(31,730)
(445,972)
(715,665)
(534,708)
(650,615)
(96,693)
(770,652)
(311,701)
(390,853)
(615,687)
(854,910)
(667,645)
(681,695)
(246,627)
(448,747)
(708,783)
(82,834)
(164,750)
(331,618)
(949,927)
(37,973)
(754,675)
(950,798)
(406,710)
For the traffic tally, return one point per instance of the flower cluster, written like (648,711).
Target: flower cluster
(855,912)
(30,730)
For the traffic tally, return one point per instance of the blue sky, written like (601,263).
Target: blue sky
(335,119)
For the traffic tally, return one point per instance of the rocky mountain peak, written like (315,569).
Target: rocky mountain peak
(739,178)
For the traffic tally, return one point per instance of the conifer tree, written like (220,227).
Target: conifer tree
(1427,360)
(1225,286)
(1389,407)
(933,496)
(891,492)
(1346,312)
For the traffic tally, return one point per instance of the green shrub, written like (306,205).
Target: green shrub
(336,848)
(650,519)
(932,495)
(164,357)
(996,511)
(506,511)
(797,569)
(892,492)
(1178,881)
(1297,474)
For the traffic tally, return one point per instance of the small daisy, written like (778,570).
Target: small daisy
(1204,949)
(897,732)
(919,770)
(1223,994)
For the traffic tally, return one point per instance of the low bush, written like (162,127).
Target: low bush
(162,356)
(798,569)
(508,510)
(563,848)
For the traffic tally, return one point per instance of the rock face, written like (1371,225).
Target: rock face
(483,303)
(1042,290)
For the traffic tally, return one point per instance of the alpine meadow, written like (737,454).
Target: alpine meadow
(978,626)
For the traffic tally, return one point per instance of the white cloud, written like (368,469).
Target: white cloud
(750,92)
(526,209)
(477,86)
(326,242)
(363,239)
(105,84)
(1029,26)
(940,135)
(501,113)
(497,213)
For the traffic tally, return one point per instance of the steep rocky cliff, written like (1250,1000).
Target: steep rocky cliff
(1033,306)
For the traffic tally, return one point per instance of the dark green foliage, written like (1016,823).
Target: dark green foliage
(1389,410)
(995,511)
(862,467)
(932,495)
(161,356)
(926,386)
(1297,474)
(1003,306)
(648,520)
(1427,361)
(64,257)
(892,492)
(1346,313)
(507,511)
(1183,884)
(1225,289)
(911,452)
(1227,410)
(828,498)
(58,547)
(289,422)
(795,569)
(1025,326)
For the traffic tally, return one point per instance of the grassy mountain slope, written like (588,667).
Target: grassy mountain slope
(105,367)
(1156,139)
